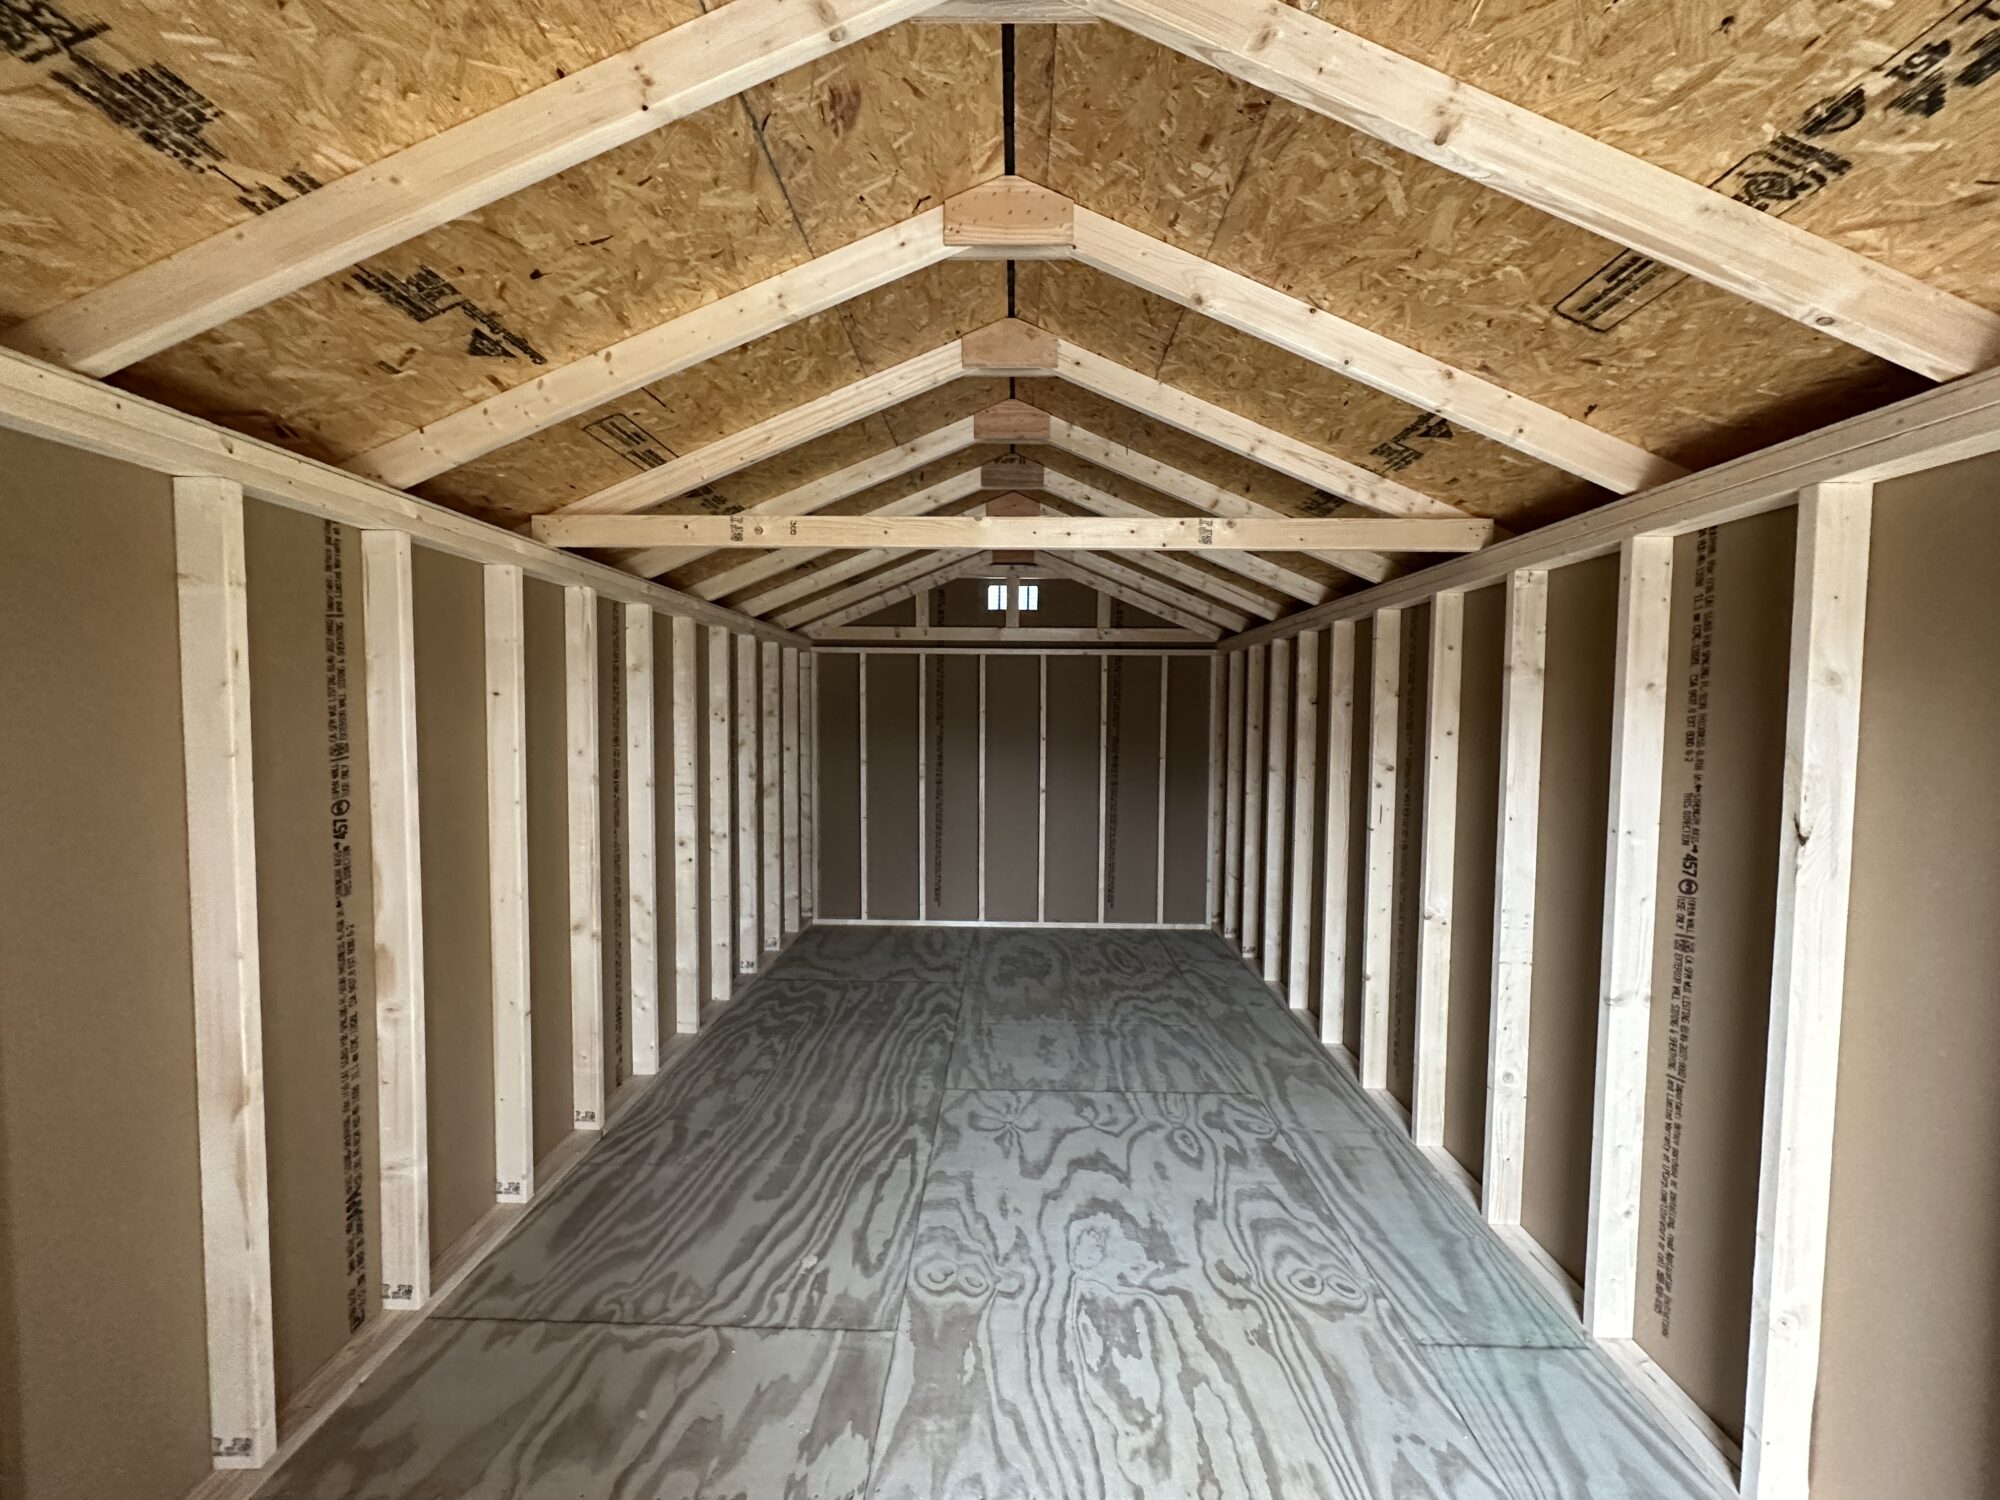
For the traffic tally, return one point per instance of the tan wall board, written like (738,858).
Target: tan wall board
(1473,854)
(1132,799)
(1186,853)
(1720,811)
(1908,1399)
(951,796)
(1013,750)
(103,1379)
(1412,716)
(315,929)
(1073,789)
(548,864)
(891,822)
(450,614)
(1569,907)
(1357,831)
(837,798)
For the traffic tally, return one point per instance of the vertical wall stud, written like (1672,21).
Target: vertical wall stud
(721,863)
(1255,702)
(642,882)
(1277,754)
(507,884)
(687,833)
(981,841)
(1334,935)
(749,904)
(1517,828)
(1232,832)
(1305,791)
(1379,906)
(586,867)
(1438,868)
(402,1125)
(769,775)
(789,733)
(1104,790)
(1218,792)
(228,1018)
(1808,970)
(1625,986)
(1160,814)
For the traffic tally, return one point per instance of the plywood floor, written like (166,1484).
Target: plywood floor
(949,1214)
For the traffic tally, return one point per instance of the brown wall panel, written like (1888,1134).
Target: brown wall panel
(890,825)
(103,1386)
(1132,803)
(1721,807)
(1569,906)
(1013,780)
(315,931)
(1073,790)
(1412,719)
(1357,832)
(450,611)
(548,864)
(664,760)
(951,729)
(1472,876)
(1909,1403)
(1187,788)
(837,798)
(613,877)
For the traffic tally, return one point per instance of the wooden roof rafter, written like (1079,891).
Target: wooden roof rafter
(1287,52)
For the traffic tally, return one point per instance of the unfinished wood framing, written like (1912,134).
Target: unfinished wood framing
(789,789)
(1438,856)
(1277,786)
(687,829)
(1808,975)
(1524,645)
(1638,749)
(213,590)
(721,861)
(1379,870)
(1304,784)
(402,1131)
(746,712)
(1256,702)
(770,792)
(1334,936)
(642,882)
(586,861)
(507,884)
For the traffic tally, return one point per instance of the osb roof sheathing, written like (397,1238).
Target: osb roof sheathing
(1841,117)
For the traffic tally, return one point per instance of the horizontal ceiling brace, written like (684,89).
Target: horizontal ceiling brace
(1022,533)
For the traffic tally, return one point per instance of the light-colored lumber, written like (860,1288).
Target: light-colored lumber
(214,603)
(1010,218)
(1351,534)
(1334,934)
(1438,857)
(1312,333)
(446,176)
(860,596)
(1517,831)
(774,435)
(665,349)
(790,732)
(1011,346)
(721,825)
(642,863)
(745,711)
(1263,604)
(586,860)
(1277,789)
(1120,578)
(942,570)
(769,790)
(1563,172)
(402,1124)
(1808,974)
(1019,635)
(507,884)
(687,829)
(1305,793)
(1255,704)
(1232,839)
(1625,987)
(1379,871)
